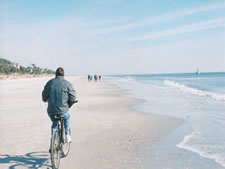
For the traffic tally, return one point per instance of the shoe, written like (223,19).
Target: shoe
(68,139)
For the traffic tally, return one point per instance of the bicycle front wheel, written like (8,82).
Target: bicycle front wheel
(55,150)
(66,146)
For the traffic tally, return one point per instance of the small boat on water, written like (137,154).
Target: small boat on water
(197,72)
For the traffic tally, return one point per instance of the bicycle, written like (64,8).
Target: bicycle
(59,146)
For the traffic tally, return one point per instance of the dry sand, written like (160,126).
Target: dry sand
(106,132)
(23,76)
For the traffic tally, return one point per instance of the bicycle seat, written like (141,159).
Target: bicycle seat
(58,116)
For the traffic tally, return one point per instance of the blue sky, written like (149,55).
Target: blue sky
(115,36)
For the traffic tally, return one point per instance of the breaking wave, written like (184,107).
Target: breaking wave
(214,152)
(198,92)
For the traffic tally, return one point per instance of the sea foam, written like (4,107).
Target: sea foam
(201,150)
(198,92)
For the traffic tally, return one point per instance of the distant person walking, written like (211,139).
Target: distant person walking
(96,77)
(99,77)
(60,95)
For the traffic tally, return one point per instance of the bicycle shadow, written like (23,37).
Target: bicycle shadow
(33,160)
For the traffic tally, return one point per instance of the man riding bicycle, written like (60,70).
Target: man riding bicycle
(60,95)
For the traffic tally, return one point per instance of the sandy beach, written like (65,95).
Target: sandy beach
(107,133)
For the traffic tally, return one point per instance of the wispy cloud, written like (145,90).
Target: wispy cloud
(205,8)
(209,24)
(162,18)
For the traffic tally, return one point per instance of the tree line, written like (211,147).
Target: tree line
(8,67)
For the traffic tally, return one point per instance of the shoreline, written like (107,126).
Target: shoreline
(173,124)
(107,133)
(183,142)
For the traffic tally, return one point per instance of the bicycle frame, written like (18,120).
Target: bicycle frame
(60,125)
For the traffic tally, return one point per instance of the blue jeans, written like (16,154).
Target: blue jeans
(66,123)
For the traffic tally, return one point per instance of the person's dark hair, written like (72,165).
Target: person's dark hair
(59,71)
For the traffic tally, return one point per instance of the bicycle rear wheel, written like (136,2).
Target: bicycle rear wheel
(55,150)
(66,146)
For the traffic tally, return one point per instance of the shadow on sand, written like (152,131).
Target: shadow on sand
(33,160)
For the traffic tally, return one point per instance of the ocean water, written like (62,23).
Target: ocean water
(197,99)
